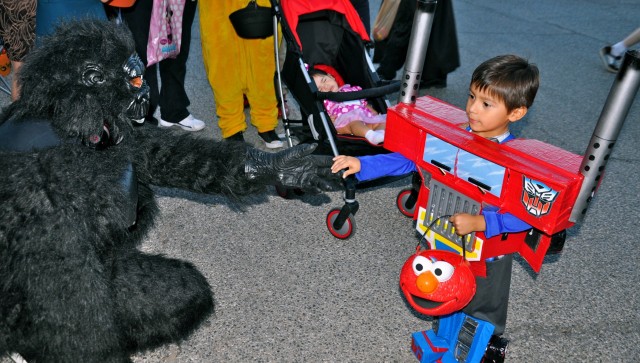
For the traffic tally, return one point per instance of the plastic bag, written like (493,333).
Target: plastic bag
(165,30)
(384,19)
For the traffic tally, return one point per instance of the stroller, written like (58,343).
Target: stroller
(329,35)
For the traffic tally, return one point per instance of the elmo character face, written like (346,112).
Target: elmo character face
(436,282)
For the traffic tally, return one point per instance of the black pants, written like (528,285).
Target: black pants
(362,8)
(442,55)
(172,98)
(491,300)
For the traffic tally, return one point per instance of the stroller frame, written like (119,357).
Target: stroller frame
(345,43)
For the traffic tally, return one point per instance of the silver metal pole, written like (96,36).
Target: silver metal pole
(418,43)
(614,113)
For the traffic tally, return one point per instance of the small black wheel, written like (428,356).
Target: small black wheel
(401,203)
(347,229)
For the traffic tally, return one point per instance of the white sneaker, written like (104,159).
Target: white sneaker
(271,139)
(611,62)
(189,123)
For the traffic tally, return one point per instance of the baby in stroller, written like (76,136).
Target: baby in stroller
(355,117)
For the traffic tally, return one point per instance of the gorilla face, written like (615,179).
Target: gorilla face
(94,75)
(86,79)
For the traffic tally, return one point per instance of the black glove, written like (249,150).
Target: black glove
(292,168)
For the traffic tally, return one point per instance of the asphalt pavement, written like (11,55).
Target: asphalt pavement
(287,291)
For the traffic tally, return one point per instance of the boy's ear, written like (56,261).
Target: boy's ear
(517,113)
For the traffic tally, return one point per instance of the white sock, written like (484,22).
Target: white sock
(375,137)
(618,49)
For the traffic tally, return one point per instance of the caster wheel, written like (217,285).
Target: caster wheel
(288,193)
(348,228)
(401,201)
(284,192)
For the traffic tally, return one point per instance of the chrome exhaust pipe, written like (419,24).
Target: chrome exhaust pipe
(418,43)
(614,113)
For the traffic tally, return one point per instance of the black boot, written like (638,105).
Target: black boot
(496,350)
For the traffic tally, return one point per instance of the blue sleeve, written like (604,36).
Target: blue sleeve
(498,223)
(377,166)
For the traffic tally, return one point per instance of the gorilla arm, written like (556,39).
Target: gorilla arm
(203,165)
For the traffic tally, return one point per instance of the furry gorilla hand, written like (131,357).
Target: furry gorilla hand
(294,168)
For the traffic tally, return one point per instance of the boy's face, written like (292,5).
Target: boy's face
(326,83)
(488,115)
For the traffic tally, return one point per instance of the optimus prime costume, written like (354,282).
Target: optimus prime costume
(542,185)
(76,202)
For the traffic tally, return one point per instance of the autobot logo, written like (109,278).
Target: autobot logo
(537,197)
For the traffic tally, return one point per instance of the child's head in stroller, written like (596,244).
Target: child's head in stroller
(353,117)
(324,81)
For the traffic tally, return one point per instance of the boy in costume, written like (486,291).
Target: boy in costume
(501,91)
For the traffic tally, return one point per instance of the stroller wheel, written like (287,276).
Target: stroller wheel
(406,202)
(284,192)
(288,193)
(348,226)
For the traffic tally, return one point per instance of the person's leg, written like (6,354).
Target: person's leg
(491,301)
(611,55)
(138,18)
(223,63)
(173,96)
(361,129)
(260,88)
(631,39)
(442,55)
(362,8)
(397,43)
(380,126)
(357,128)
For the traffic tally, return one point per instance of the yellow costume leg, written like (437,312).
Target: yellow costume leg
(224,62)
(237,66)
(261,92)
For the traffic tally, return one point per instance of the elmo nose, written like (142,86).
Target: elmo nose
(427,282)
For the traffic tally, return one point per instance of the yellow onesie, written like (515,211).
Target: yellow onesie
(237,66)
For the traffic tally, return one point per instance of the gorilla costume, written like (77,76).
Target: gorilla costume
(76,203)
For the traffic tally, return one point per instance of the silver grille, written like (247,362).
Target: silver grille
(444,201)
(465,339)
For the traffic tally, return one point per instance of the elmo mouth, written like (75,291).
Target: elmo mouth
(427,306)
(425,303)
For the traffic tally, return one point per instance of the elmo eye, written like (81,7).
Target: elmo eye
(421,264)
(442,270)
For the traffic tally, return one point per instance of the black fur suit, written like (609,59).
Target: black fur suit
(76,203)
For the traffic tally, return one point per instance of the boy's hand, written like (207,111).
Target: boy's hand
(351,164)
(465,223)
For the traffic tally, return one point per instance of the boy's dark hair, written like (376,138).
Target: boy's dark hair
(510,78)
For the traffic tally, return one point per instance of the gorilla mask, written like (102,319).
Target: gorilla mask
(91,91)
